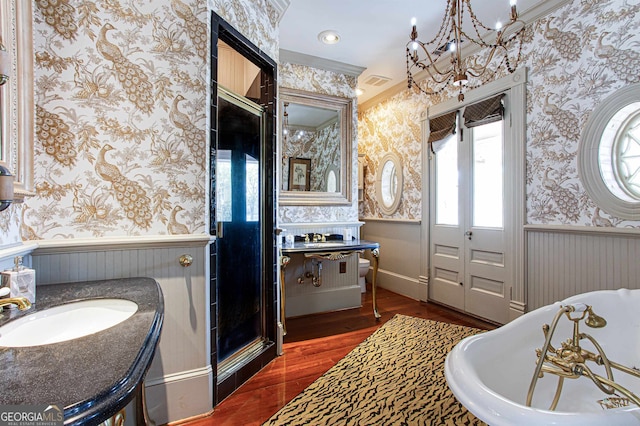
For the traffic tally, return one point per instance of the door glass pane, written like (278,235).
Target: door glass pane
(252,188)
(239,247)
(446,162)
(224,196)
(488,167)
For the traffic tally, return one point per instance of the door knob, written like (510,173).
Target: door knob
(468,234)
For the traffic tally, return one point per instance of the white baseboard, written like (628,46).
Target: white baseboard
(324,301)
(180,396)
(401,284)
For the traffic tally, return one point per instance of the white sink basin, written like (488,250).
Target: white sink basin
(66,322)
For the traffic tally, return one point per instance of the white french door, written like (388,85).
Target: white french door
(470,264)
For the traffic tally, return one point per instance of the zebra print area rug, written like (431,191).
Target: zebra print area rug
(394,377)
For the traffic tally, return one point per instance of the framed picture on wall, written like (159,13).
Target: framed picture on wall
(299,174)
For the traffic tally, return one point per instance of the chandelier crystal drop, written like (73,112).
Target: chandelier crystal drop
(452,38)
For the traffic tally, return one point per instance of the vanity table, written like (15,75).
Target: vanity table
(328,250)
(93,377)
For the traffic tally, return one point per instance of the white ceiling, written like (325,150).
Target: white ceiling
(374,33)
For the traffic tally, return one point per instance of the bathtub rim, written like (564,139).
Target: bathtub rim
(497,410)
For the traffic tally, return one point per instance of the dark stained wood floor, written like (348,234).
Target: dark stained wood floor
(313,344)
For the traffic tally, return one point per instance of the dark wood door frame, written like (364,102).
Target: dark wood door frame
(221,30)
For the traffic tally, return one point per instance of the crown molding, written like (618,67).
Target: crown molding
(280,6)
(321,63)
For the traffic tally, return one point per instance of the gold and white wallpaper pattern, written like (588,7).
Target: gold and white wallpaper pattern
(122,114)
(321,146)
(582,53)
(393,126)
(311,79)
(576,57)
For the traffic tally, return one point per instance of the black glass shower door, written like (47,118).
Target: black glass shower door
(238,213)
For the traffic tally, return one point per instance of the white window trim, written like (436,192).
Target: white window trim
(589,154)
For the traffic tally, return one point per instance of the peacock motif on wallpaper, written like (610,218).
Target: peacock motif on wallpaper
(565,199)
(173,226)
(624,62)
(59,15)
(566,122)
(55,137)
(195,137)
(134,81)
(196,30)
(567,43)
(131,196)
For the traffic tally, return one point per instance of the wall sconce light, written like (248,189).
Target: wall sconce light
(6,187)
(5,65)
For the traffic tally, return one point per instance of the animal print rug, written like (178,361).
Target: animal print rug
(394,377)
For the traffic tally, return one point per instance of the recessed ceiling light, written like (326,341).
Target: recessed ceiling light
(359,91)
(329,37)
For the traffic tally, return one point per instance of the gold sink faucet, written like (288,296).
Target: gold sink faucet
(317,238)
(21,302)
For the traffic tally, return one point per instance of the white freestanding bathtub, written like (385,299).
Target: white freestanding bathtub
(490,373)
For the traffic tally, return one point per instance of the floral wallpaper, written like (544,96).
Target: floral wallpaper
(310,79)
(122,115)
(393,126)
(576,57)
(322,147)
(583,52)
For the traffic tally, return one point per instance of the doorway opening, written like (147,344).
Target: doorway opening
(242,209)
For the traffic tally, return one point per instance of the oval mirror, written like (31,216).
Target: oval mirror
(389,183)
(331,179)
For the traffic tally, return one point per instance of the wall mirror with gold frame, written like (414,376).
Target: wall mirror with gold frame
(16,95)
(317,127)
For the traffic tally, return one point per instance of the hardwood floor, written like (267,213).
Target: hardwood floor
(313,344)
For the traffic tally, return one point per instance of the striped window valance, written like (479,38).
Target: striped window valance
(484,112)
(442,126)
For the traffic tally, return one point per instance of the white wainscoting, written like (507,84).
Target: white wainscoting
(400,255)
(179,381)
(563,261)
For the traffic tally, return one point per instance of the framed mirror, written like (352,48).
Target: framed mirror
(16,95)
(315,138)
(389,183)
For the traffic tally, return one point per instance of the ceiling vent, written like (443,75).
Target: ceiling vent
(377,80)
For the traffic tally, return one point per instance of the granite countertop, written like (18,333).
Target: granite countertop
(329,246)
(92,377)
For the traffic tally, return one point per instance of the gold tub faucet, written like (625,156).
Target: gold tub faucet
(21,302)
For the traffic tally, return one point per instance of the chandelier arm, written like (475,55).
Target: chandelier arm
(476,70)
(438,78)
(431,63)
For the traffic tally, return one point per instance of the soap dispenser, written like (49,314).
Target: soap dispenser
(20,280)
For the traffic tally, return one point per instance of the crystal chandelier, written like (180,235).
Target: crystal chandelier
(452,37)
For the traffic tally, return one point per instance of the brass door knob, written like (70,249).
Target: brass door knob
(186,260)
